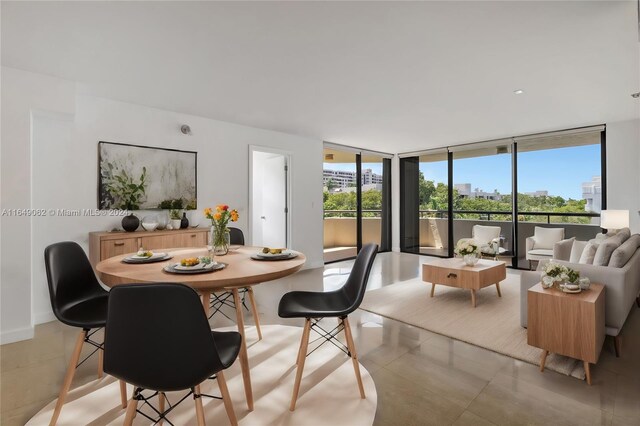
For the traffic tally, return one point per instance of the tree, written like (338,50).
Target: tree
(331,184)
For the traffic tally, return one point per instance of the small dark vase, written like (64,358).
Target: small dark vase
(130,223)
(184,222)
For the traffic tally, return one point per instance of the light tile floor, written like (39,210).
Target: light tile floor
(422,378)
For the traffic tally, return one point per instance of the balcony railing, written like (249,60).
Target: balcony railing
(491,215)
(477,214)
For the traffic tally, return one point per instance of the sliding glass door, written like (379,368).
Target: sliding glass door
(482,200)
(357,202)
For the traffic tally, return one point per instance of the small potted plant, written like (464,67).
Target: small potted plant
(128,194)
(176,218)
(468,249)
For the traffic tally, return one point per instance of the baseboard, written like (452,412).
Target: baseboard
(12,336)
(42,317)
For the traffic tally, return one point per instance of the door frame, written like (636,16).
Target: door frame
(288,162)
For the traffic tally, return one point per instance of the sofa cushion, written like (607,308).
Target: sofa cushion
(562,249)
(622,254)
(605,250)
(588,253)
(576,251)
(545,238)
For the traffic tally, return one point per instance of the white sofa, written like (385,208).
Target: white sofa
(620,275)
(540,246)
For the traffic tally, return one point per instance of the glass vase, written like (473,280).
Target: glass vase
(470,259)
(219,240)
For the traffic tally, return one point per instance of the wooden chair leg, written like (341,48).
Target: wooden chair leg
(100,363)
(68,377)
(302,356)
(244,356)
(254,309)
(161,399)
(123,394)
(199,408)
(354,356)
(617,344)
(131,410)
(226,398)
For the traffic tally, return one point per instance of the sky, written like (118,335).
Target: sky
(560,171)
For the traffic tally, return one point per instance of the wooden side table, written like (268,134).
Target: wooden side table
(567,324)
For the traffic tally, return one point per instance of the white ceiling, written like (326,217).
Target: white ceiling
(386,76)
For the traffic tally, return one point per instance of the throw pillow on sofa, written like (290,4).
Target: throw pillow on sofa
(588,253)
(622,254)
(604,252)
(576,251)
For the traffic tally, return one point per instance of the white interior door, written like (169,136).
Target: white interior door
(269,204)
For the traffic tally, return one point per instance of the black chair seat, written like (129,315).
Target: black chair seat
(228,345)
(89,313)
(305,304)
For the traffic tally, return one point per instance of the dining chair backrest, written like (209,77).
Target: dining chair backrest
(70,276)
(157,337)
(356,284)
(236,236)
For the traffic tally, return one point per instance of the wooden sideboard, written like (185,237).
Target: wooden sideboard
(103,245)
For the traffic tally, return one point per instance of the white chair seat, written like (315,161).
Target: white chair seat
(539,254)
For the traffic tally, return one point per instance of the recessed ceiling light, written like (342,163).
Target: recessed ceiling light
(518,92)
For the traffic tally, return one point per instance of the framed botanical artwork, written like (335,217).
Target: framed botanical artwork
(135,177)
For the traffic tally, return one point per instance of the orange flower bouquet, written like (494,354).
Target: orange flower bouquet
(219,231)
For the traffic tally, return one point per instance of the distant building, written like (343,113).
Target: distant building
(345,179)
(592,192)
(464,191)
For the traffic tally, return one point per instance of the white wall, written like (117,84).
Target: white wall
(23,94)
(61,164)
(623,169)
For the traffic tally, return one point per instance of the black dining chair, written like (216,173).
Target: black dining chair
(226,298)
(314,306)
(77,300)
(159,340)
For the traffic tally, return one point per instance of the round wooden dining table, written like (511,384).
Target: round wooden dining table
(241,271)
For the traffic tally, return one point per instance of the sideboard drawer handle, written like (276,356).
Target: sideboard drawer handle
(118,244)
(452,275)
(193,235)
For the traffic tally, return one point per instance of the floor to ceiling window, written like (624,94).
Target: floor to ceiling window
(357,201)
(456,192)
(560,184)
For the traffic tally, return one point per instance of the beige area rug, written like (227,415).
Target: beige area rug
(494,324)
(328,393)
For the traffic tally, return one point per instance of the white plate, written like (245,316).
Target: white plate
(201,265)
(153,256)
(285,253)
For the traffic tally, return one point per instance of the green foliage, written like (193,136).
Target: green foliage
(174,214)
(127,192)
(435,197)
